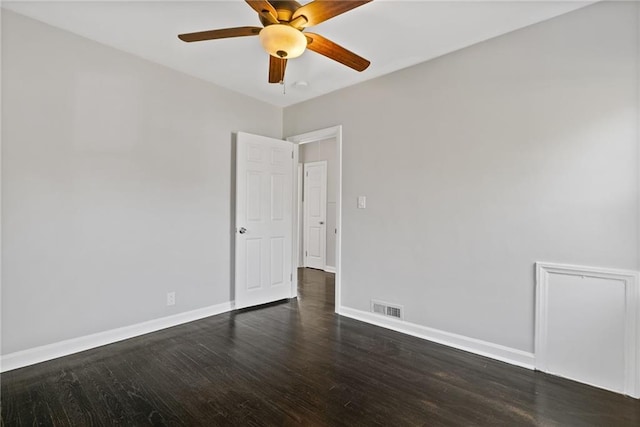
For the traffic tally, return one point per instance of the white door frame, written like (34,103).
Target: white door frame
(298,215)
(320,135)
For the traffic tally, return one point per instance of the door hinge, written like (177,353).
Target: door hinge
(292,154)
(291,277)
(307,173)
(306,253)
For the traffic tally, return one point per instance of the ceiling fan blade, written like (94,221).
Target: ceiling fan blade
(220,34)
(326,47)
(276,69)
(320,10)
(265,9)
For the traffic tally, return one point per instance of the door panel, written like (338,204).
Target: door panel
(278,197)
(253,195)
(314,201)
(253,260)
(315,207)
(277,261)
(264,221)
(314,247)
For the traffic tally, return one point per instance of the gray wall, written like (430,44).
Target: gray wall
(314,152)
(115,183)
(523,148)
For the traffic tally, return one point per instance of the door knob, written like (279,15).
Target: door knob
(321,222)
(242,230)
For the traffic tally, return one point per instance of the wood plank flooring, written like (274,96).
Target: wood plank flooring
(296,363)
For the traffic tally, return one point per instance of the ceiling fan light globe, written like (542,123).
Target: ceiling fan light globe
(283,41)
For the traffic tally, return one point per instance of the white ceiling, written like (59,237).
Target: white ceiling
(392,34)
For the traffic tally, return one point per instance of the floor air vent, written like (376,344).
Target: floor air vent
(386,309)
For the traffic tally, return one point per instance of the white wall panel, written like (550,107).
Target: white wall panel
(586,325)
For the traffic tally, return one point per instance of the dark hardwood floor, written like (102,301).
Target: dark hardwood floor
(296,363)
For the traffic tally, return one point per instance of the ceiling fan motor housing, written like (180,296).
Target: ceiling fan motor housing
(285,10)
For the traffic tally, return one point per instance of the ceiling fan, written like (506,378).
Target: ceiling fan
(282,36)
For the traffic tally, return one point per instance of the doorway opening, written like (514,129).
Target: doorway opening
(316,290)
(318,195)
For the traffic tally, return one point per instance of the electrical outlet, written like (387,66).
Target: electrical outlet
(171,298)
(362,202)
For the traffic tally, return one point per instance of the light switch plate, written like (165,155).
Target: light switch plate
(171,298)
(362,202)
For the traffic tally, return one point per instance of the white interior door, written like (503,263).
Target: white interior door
(264,214)
(315,214)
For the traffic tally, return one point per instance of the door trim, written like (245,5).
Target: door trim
(632,315)
(319,135)
(299,215)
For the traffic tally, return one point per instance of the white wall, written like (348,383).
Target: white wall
(314,152)
(523,148)
(116,186)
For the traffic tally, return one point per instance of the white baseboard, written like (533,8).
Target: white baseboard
(483,348)
(43,353)
(329,269)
